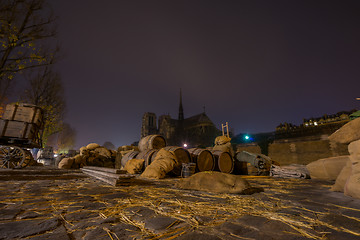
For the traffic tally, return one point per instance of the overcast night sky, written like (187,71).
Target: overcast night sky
(252,63)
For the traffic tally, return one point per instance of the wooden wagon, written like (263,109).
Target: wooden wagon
(21,128)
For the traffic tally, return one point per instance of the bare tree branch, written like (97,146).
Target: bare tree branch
(24,25)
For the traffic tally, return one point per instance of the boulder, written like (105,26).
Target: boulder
(352,186)
(217,182)
(348,133)
(354,150)
(66,163)
(342,178)
(327,168)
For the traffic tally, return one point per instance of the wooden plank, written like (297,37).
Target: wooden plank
(107,174)
(24,113)
(105,169)
(111,181)
(27,171)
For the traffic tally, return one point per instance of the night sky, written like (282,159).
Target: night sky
(254,64)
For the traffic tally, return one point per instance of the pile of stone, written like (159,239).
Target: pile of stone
(91,155)
(345,170)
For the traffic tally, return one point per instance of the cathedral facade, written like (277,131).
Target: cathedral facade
(195,131)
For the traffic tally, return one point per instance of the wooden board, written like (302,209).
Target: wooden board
(108,174)
(23,113)
(105,169)
(124,179)
(111,181)
(17,129)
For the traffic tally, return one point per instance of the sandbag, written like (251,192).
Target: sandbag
(348,133)
(163,163)
(352,186)
(342,178)
(134,166)
(66,163)
(108,163)
(327,168)
(101,151)
(224,148)
(354,150)
(84,151)
(221,140)
(92,146)
(217,182)
(79,159)
(95,161)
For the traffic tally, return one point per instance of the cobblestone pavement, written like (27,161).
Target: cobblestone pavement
(85,208)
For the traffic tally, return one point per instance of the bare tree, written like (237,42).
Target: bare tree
(109,145)
(25,27)
(67,138)
(64,140)
(46,91)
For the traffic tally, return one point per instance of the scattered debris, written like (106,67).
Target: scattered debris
(291,171)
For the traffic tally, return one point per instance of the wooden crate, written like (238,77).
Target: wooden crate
(16,129)
(23,112)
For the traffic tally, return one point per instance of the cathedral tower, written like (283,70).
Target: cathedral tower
(148,126)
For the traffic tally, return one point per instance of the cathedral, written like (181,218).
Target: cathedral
(195,131)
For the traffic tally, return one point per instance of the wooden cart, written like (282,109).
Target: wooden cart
(20,130)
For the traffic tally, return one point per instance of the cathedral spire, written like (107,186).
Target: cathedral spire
(181,111)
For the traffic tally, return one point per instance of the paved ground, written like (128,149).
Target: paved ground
(70,207)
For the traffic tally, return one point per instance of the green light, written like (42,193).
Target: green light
(247,137)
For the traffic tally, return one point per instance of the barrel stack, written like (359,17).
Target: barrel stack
(203,158)
(224,161)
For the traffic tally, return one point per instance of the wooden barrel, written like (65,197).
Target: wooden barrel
(182,156)
(128,156)
(224,161)
(152,142)
(147,156)
(203,158)
(240,168)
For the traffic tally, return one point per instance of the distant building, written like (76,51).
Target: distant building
(195,131)
(325,125)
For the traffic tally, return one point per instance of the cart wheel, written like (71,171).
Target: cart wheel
(11,157)
(28,158)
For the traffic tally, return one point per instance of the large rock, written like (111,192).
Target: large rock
(327,168)
(217,182)
(348,133)
(342,178)
(352,186)
(354,150)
